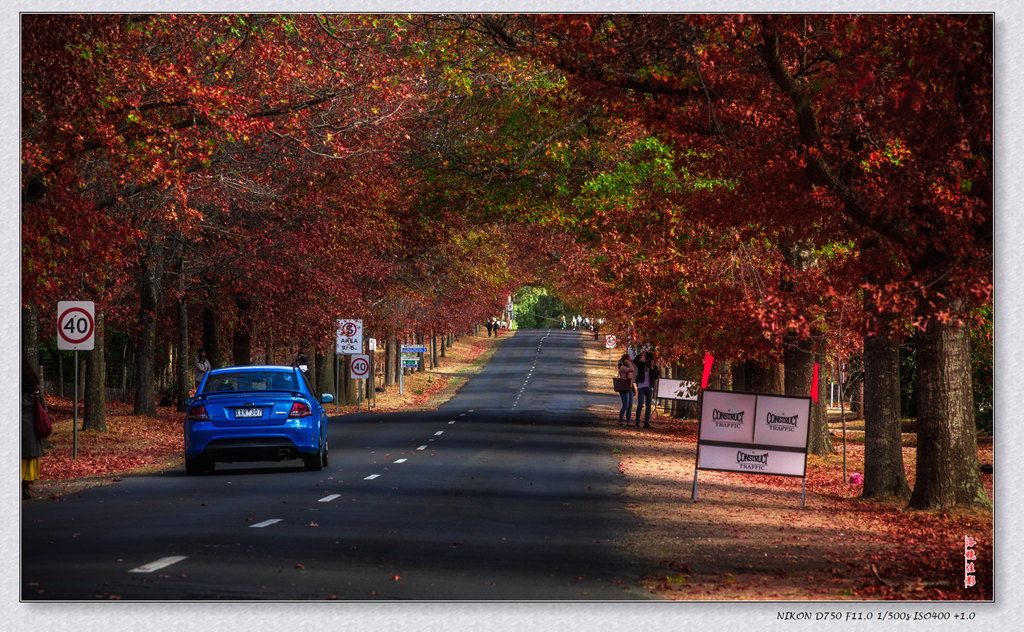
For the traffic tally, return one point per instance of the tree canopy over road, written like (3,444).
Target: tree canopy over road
(770,189)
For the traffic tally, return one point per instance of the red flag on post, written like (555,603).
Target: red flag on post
(708,361)
(814,384)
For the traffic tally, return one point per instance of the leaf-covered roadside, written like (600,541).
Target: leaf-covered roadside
(748,538)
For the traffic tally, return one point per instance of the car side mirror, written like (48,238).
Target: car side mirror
(326,398)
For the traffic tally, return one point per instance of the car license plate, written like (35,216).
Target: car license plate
(248,413)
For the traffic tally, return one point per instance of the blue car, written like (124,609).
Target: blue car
(255,413)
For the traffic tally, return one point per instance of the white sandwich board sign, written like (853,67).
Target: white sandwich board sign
(753,434)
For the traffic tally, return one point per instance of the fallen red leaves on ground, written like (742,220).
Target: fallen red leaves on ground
(840,546)
(131,442)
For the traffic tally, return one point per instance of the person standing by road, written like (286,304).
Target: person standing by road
(202,367)
(31,443)
(490,326)
(301,362)
(626,371)
(646,376)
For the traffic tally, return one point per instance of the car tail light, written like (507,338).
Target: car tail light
(198,413)
(299,410)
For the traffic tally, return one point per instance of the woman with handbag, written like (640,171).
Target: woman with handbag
(31,442)
(625,386)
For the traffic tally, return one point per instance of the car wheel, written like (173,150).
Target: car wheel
(314,462)
(323,459)
(197,466)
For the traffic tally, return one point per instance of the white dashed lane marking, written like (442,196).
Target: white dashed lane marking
(422,447)
(265,523)
(371,477)
(158,564)
(327,499)
(401,460)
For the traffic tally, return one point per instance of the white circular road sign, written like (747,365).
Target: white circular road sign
(610,342)
(76,325)
(360,366)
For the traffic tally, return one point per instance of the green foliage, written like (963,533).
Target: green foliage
(537,309)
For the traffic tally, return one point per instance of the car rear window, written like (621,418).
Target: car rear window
(251,381)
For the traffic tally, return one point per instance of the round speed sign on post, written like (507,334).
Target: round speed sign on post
(76,325)
(360,367)
(610,342)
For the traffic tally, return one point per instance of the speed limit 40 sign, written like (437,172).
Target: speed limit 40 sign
(76,325)
(360,367)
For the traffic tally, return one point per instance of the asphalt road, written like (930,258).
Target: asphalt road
(508,492)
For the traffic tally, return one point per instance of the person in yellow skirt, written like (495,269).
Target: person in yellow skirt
(31,444)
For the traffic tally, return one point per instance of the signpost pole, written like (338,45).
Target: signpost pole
(76,331)
(74,451)
(337,380)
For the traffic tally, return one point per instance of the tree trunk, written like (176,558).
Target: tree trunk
(241,337)
(30,339)
(351,386)
(739,377)
(800,357)
(760,378)
(724,370)
(328,381)
(948,474)
(211,336)
(884,473)
(95,417)
(389,362)
(183,380)
(145,344)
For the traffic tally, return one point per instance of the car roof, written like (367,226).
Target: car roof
(253,368)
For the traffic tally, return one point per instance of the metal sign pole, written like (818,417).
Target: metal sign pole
(337,381)
(74,453)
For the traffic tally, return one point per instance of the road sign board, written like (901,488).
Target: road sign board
(76,325)
(410,362)
(610,342)
(360,367)
(349,336)
(413,349)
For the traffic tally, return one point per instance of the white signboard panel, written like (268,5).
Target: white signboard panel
(360,367)
(76,325)
(727,417)
(782,421)
(752,460)
(677,389)
(349,337)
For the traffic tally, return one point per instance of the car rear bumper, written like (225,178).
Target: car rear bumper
(228,450)
(216,445)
